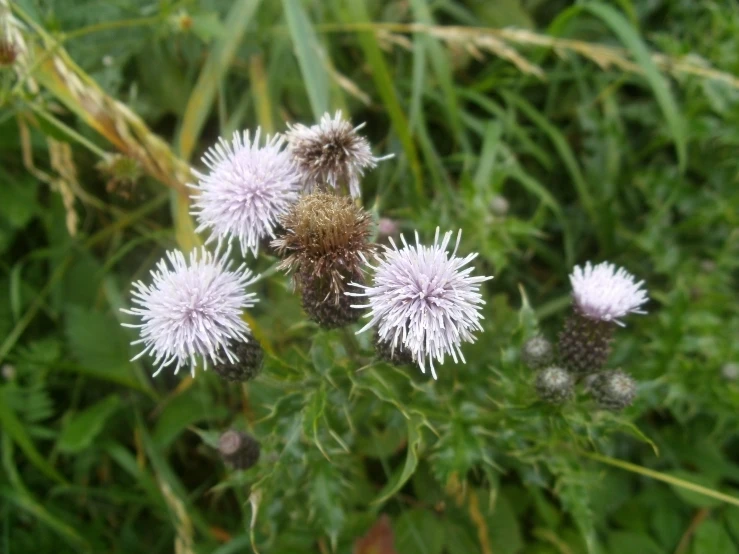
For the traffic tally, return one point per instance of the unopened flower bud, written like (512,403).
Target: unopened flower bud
(537,352)
(250,357)
(238,450)
(613,390)
(555,385)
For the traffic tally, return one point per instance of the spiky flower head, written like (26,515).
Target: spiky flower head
(325,237)
(331,153)
(555,385)
(247,189)
(250,358)
(537,352)
(613,390)
(239,450)
(424,299)
(192,310)
(606,293)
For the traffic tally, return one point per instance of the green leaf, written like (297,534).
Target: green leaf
(625,541)
(418,531)
(411,461)
(82,428)
(183,410)
(712,537)
(97,340)
(310,56)
(660,86)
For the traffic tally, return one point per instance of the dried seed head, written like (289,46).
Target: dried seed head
(537,352)
(250,357)
(331,153)
(395,354)
(585,344)
(238,450)
(555,385)
(613,390)
(324,240)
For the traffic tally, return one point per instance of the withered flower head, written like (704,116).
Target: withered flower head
(331,153)
(323,243)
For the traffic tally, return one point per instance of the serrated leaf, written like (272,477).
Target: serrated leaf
(82,428)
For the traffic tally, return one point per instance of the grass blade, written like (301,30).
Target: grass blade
(219,60)
(630,38)
(310,56)
(386,89)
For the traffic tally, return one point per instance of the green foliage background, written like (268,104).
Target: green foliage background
(611,129)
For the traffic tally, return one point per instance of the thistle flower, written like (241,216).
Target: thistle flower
(324,240)
(537,352)
(606,293)
(249,187)
(239,450)
(192,310)
(613,390)
(424,300)
(250,357)
(602,294)
(555,385)
(331,153)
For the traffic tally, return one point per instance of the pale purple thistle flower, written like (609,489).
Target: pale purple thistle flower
(422,299)
(331,153)
(606,293)
(247,189)
(192,310)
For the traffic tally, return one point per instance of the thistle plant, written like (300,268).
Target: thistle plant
(613,390)
(249,359)
(239,450)
(325,239)
(424,299)
(331,153)
(555,385)
(537,352)
(192,310)
(247,189)
(602,295)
